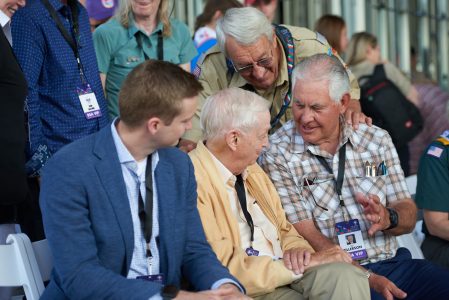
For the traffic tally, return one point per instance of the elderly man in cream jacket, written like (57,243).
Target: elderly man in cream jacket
(242,215)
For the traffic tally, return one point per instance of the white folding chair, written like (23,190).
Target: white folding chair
(19,267)
(411,184)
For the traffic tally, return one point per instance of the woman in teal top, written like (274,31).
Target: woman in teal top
(140,30)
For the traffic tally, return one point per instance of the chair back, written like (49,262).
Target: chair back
(25,264)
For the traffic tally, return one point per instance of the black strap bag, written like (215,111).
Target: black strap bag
(389,108)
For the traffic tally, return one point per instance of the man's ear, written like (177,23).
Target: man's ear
(274,42)
(153,125)
(232,139)
(344,103)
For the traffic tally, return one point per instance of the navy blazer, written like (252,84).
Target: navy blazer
(88,224)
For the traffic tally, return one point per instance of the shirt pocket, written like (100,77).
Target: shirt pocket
(172,54)
(318,191)
(372,185)
(127,62)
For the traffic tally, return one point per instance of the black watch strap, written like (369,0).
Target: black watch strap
(169,292)
(394,218)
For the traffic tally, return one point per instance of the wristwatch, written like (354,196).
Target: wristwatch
(394,218)
(169,292)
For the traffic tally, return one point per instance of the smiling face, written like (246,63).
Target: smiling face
(9,7)
(145,8)
(316,115)
(263,58)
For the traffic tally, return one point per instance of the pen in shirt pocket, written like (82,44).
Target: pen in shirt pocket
(382,169)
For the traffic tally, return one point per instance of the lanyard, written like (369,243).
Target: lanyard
(289,47)
(341,171)
(67,36)
(241,194)
(146,210)
(160,45)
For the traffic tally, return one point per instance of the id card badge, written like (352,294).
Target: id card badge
(350,238)
(250,251)
(89,102)
(158,278)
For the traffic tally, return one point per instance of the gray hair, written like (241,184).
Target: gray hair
(322,67)
(231,108)
(246,25)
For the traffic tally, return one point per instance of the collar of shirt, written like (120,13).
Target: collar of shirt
(123,154)
(57,4)
(226,176)
(132,28)
(4,19)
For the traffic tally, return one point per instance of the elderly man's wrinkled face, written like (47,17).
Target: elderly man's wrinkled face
(252,143)
(9,7)
(316,115)
(257,63)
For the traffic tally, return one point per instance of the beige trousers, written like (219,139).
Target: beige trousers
(339,281)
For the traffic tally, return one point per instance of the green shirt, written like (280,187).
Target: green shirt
(432,191)
(118,52)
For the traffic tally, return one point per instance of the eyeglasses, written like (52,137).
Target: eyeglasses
(248,69)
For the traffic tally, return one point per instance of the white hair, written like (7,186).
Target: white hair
(245,24)
(231,108)
(322,67)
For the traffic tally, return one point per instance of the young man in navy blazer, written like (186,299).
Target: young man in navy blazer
(119,206)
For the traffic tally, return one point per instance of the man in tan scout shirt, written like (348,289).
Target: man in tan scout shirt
(242,214)
(255,55)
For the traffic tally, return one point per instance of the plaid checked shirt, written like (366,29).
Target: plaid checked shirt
(291,163)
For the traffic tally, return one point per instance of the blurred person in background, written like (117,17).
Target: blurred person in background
(268,7)
(362,56)
(100,11)
(205,36)
(433,101)
(141,30)
(333,28)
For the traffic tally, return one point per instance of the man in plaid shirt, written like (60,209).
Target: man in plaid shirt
(365,195)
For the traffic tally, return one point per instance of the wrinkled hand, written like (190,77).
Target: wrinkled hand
(384,286)
(333,254)
(186,145)
(296,260)
(354,115)
(374,211)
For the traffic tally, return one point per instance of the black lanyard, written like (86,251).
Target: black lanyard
(241,194)
(341,171)
(146,210)
(160,45)
(67,36)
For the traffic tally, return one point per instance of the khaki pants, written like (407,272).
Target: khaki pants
(339,281)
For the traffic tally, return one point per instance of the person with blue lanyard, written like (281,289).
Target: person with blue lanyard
(141,30)
(253,54)
(53,44)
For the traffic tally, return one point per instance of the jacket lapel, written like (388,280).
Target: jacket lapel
(167,195)
(110,173)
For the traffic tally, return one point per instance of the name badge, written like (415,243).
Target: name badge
(251,251)
(89,102)
(350,238)
(158,278)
